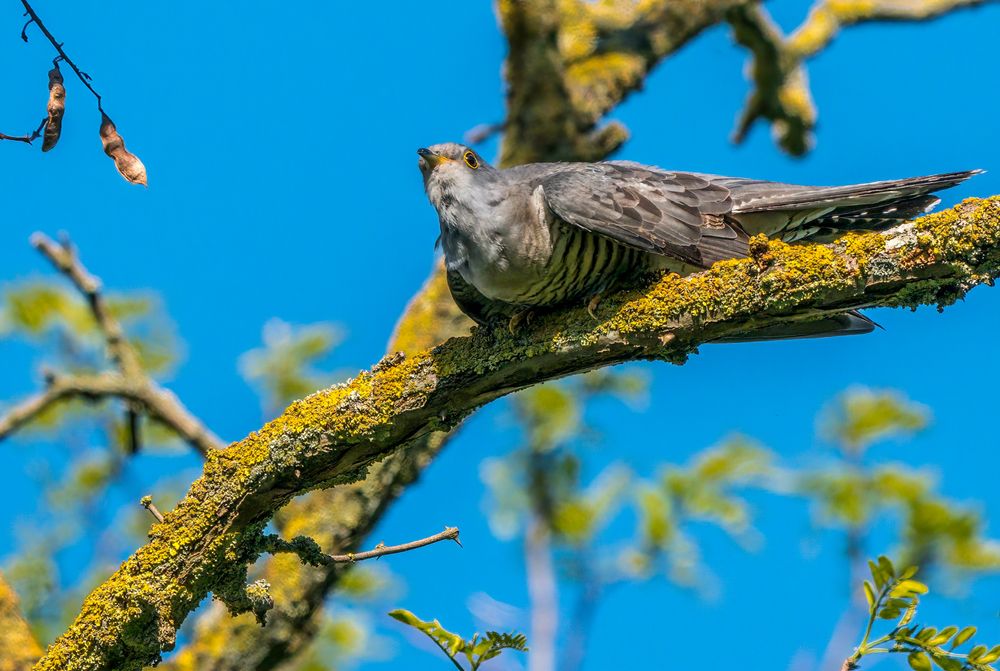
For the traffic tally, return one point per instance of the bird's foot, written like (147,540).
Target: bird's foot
(594,302)
(520,317)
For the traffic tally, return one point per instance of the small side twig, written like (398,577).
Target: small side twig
(310,553)
(27,138)
(147,503)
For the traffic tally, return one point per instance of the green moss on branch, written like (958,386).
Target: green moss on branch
(332,436)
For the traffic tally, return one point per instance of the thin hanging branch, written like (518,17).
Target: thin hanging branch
(63,56)
(128,164)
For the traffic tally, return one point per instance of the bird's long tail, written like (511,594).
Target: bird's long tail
(820,213)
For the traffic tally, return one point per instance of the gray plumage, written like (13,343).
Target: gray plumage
(546,234)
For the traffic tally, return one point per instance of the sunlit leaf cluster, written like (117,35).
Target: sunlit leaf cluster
(475,650)
(895,595)
(283,369)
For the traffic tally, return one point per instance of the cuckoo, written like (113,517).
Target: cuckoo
(542,235)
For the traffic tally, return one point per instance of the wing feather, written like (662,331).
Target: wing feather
(674,214)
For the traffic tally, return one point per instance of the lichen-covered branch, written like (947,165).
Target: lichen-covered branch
(338,519)
(780,91)
(207,541)
(572,61)
(128,382)
(18,647)
(780,86)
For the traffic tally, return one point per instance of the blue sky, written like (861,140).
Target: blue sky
(283,182)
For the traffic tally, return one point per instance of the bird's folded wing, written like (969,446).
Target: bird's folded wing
(674,214)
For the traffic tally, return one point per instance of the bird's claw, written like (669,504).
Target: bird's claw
(521,317)
(593,303)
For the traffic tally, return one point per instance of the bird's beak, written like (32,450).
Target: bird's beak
(433,160)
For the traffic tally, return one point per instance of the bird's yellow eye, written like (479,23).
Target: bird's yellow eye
(471,160)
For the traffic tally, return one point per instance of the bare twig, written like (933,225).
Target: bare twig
(129,382)
(83,76)
(63,256)
(28,138)
(309,552)
(155,401)
(147,503)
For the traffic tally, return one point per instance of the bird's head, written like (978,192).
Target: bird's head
(452,162)
(456,177)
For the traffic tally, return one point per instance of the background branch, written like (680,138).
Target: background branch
(207,541)
(129,382)
(18,647)
(779,82)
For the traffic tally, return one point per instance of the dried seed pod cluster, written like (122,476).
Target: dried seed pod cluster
(57,105)
(128,164)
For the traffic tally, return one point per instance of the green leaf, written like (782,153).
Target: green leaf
(877,575)
(908,616)
(504,641)
(886,566)
(406,617)
(926,634)
(452,643)
(908,573)
(889,613)
(869,595)
(943,636)
(977,652)
(908,587)
(919,661)
(963,636)
(991,656)
(947,663)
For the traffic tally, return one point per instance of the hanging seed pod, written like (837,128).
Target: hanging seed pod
(128,164)
(57,105)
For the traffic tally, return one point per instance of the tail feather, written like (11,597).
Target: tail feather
(805,197)
(848,323)
(794,213)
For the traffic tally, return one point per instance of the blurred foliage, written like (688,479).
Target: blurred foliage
(544,476)
(705,490)
(476,650)
(849,491)
(284,368)
(893,595)
(53,314)
(852,494)
(861,417)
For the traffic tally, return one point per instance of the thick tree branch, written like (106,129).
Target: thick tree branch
(129,382)
(780,86)
(207,541)
(18,648)
(338,519)
(572,61)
